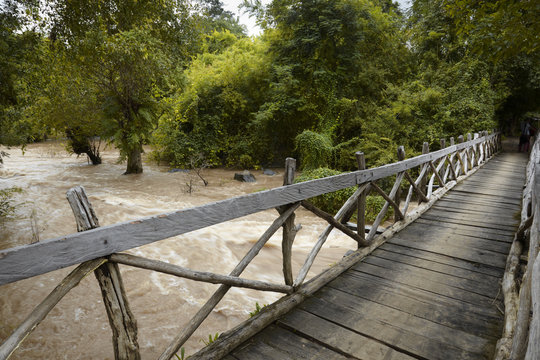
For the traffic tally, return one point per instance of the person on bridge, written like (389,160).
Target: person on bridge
(527,130)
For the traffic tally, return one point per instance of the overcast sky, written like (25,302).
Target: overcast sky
(232,5)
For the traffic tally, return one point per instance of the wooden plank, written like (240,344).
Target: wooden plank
(474,287)
(467,230)
(421,303)
(407,342)
(428,264)
(340,338)
(288,344)
(474,255)
(468,266)
(334,300)
(455,206)
(480,200)
(436,284)
(442,237)
(23,261)
(452,220)
(483,219)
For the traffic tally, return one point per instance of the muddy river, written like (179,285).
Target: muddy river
(77,328)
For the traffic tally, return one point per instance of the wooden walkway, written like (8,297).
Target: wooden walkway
(430,292)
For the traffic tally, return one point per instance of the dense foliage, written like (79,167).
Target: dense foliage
(326,78)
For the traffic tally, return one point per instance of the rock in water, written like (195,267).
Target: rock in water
(269,172)
(246,176)
(179,170)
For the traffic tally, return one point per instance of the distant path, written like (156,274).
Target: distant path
(430,292)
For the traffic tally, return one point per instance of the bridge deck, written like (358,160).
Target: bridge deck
(430,292)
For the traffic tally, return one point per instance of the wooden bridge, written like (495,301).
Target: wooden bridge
(447,281)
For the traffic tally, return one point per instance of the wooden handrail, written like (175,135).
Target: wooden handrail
(102,244)
(21,262)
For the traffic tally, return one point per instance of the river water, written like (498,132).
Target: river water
(77,328)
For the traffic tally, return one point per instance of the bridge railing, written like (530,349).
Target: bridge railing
(521,289)
(97,249)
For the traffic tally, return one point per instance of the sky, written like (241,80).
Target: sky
(232,5)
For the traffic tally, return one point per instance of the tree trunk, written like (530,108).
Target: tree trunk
(134,160)
(94,158)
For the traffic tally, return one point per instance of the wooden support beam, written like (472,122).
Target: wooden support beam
(423,180)
(419,191)
(361,204)
(397,212)
(436,173)
(121,319)
(332,221)
(384,209)
(202,276)
(289,229)
(398,215)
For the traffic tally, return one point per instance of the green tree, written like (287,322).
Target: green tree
(126,55)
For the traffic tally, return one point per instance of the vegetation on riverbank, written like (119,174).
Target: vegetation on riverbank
(323,80)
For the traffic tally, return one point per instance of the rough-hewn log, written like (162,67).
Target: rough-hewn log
(23,261)
(520,338)
(38,314)
(330,219)
(533,350)
(398,215)
(384,209)
(361,204)
(203,313)
(423,179)
(289,229)
(121,319)
(203,276)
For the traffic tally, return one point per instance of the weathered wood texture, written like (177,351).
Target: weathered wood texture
(121,319)
(431,291)
(21,262)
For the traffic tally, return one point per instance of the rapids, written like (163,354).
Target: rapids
(77,328)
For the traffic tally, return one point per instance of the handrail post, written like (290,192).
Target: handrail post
(397,199)
(361,202)
(289,229)
(121,319)
(423,181)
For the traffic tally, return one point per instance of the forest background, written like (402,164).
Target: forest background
(325,78)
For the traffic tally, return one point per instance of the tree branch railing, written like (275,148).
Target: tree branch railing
(521,333)
(97,249)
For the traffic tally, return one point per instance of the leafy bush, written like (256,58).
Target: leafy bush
(330,202)
(315,149)
(374,205)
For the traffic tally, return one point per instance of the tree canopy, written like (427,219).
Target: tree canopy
(326,78)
